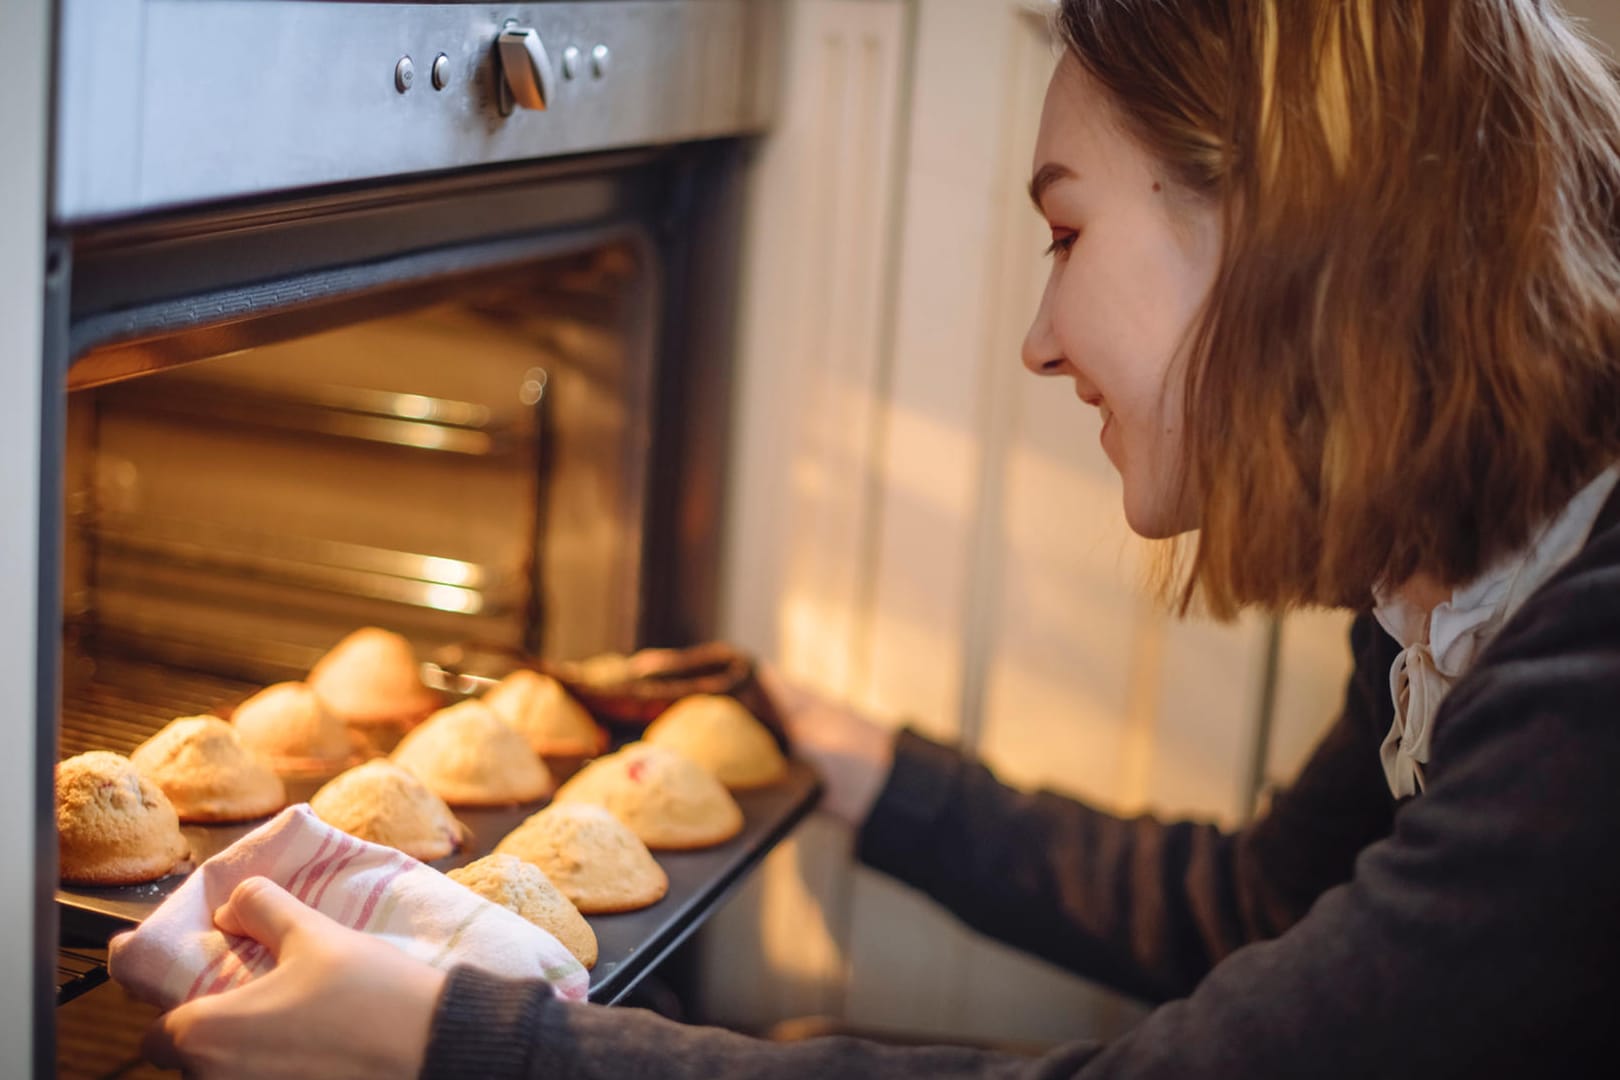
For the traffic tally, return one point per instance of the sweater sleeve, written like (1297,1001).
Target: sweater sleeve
(1476,939)
(1143,905)
(511,1029)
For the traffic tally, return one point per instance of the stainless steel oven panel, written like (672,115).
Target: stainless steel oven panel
(171,102)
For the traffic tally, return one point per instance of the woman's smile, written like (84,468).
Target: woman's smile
(1096,401)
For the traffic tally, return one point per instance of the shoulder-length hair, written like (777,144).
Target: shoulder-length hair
(1410,357)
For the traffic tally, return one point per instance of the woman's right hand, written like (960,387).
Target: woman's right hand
(851,752)
(337,1003)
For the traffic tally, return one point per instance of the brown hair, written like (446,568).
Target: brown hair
(1411,354)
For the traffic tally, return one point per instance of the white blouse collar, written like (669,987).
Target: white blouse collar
(1439,647)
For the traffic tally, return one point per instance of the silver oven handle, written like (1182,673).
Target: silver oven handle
(525,68)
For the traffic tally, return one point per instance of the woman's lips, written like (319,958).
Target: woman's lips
(1097,402)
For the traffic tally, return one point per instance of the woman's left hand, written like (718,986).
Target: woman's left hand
(339,1003)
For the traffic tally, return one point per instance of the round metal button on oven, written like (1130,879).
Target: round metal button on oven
(404,74)
(441,71)
(599,61)
(571,59)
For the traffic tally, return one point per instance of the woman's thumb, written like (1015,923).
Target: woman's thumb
(264,911)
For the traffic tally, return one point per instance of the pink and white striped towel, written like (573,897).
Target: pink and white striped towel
(177,953)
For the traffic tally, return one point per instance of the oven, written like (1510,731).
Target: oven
(412,315)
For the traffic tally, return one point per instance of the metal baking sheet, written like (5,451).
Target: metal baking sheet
(629,944)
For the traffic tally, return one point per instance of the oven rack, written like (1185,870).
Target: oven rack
(121,703)
(78,971)
(116,702)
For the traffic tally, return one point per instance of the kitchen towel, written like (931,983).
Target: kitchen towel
(177,953)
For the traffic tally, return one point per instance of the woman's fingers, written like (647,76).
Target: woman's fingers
(158,1044)
(165,1038)
(264,911)
(850,750)
(339,1003)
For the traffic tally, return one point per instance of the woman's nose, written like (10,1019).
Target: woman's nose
(1042,354)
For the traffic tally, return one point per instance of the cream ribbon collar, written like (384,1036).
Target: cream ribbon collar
(1439,646)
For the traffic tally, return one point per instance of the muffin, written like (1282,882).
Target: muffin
(206,772)
(591,856)
(287,726)
(370,680)
(521,887)
(719,734)
(667,800)
(603,669)
(381,802)
(114,826)
(469,756)
(540,709)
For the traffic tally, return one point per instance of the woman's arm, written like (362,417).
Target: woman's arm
(509,1029)
(1477,939)
(1143,905)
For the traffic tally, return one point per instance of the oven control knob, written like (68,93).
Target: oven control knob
(526,77)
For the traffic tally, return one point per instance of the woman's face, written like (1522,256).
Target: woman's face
(1133,257)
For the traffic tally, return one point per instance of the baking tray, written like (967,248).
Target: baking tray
(629,945)
(123,707)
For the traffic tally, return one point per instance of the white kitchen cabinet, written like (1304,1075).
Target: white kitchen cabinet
(920,525)
(814,342)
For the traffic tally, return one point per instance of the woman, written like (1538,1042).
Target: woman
(1343,279)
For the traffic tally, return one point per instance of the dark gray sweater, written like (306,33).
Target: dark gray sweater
(1471,931)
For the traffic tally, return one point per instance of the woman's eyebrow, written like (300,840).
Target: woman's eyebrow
(1045,176)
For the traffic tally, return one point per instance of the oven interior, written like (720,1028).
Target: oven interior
(466,465)
(486,411)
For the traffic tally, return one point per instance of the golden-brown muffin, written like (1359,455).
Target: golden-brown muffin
(287,726)
(371,679)
(667,800)
(115,827)
(207,773)
(522,887)
(601,670)
(471,757)
(590,855)
(540,709)
(719,734)
(381,802)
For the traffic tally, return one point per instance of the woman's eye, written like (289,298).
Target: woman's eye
(1062,241)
